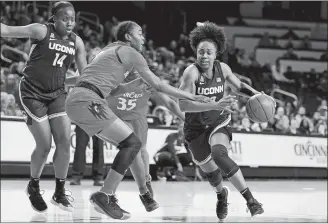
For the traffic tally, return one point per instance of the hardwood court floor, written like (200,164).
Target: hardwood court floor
(283,201)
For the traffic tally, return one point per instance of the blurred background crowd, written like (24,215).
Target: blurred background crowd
(301,94)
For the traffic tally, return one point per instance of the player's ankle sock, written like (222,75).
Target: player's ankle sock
(148,178)
(221,193)
(60,184)
(247,194)
(143,190)
(34,182)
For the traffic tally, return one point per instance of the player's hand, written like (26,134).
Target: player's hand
(202,98)
(274,101)
(226,103)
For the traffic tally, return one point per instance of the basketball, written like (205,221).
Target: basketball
(260,108)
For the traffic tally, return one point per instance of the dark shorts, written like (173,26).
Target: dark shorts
(199,145)
(38,105)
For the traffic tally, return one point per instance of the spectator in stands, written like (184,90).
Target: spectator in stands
(290,55)
(235,121)
(174,47)
(3,81)
(12,109)
(321,127)
(289,43)
(275,43)
(265,41)
(293,128)
(245,125)
(278,72)
(289,34)
(289,108)
(259,127)
(322,107)
(281,121)
(254,62)
(305,43)
(242,59)
(324,56)
(305,128)
(301,115)
(4,102)
(12,84)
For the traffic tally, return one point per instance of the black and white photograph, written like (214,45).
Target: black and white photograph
(164,111)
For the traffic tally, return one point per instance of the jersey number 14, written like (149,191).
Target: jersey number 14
(59,60)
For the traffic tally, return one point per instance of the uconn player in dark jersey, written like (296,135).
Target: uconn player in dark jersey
(42,95)
(206,127)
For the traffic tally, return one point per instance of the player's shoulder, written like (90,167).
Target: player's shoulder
(225,67)
(191,72)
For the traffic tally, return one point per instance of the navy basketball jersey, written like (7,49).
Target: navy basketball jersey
(214,89)
(49,60)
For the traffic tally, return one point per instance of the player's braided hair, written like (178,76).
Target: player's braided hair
(58,6)
(208,31)
(124,28)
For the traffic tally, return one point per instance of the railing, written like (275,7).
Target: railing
(285,93)
(17,51)
(243,78)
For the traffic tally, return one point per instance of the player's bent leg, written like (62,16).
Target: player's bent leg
(61,130)
(138,172)
(214,177)
(42,136)
(129,146)
(219,143)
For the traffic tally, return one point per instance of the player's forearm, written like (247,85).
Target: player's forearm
(174,92)
(175,109)
(246,91)
(195,106)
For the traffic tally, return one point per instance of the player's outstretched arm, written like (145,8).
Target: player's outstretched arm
(171,105)
(34,31)
(136,60)
(81,56)
(237,86)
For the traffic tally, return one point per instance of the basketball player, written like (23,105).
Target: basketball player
(206,127)
(42,96)
(129,101)
(86,105)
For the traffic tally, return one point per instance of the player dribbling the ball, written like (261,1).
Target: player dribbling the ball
(206,128)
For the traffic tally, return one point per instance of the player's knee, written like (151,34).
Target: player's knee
(214,178)
(221,158)
(129,149)
(133,143)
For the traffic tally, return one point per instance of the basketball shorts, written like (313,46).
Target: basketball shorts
(89,111)
(38,105)
(199,144)
(140,128)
